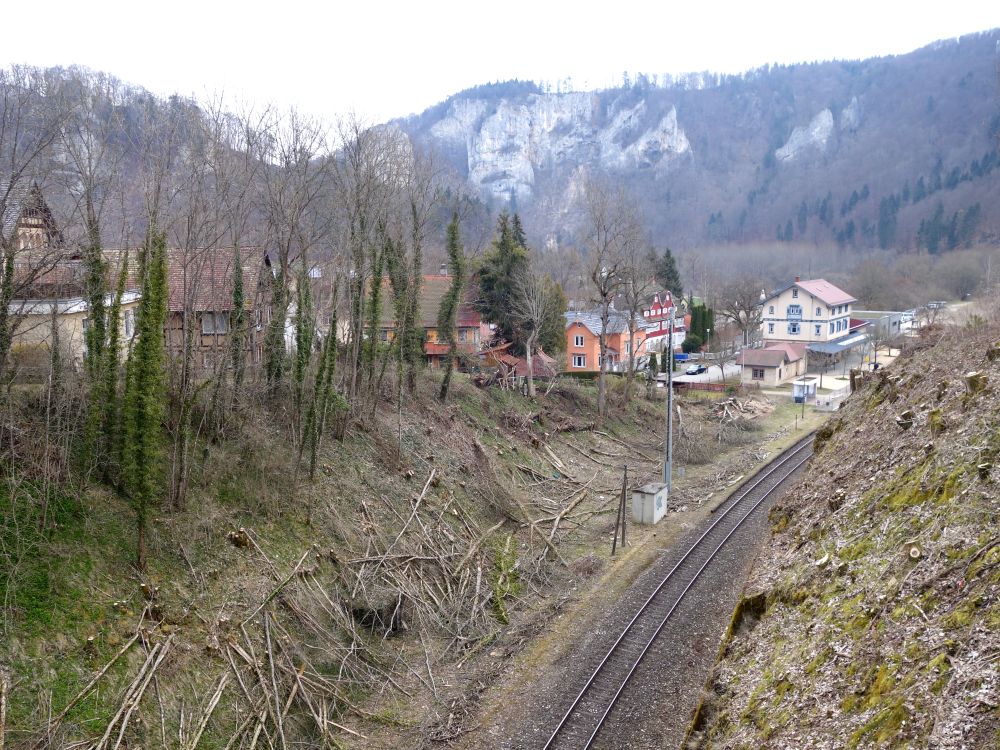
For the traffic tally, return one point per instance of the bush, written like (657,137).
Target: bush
(692,344)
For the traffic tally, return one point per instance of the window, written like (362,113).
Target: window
(831,327)
(578,341)
(579,360)
(206,360)
(383,334)
(793,329)
(214,323)
(258,354)
(819,312)
(770,327)
(463,334)
(819,328)
(757,373)
(258,316)
(795,294)
(129,323)
(628,347)
(770,309)
(794,312)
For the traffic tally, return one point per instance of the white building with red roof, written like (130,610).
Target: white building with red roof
(815,316)
(807,312)
(657,315)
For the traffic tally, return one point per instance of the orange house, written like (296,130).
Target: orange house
(583,345)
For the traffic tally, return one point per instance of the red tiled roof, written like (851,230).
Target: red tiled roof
(433,287)
(499,348)
(204,278)
(826,291)
(542,365)
(771,356)
(55,273)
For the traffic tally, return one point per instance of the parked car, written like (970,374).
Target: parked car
(695,370)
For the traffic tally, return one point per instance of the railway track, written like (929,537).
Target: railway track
(583,721)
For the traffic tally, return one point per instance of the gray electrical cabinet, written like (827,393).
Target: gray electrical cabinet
(649,503)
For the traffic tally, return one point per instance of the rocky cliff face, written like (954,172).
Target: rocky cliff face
(780,153)
(507,143)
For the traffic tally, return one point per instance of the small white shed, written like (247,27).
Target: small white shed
(804,389)
(649,503)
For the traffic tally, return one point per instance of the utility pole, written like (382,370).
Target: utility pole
(668,447)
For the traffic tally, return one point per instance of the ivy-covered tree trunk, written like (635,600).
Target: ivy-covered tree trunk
(448,314)
(112,367)
(274,338)
(322,389)
(239,329)
(305,331)
(413,332)
(95,340)
(6,297)
(374,313)
(602,386)
(145,393)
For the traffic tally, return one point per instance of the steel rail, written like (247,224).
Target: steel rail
(680,598)
(773,469)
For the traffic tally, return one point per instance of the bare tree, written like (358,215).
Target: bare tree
(295,205)
(638,284)
(370,172)
(610,231)
(740,302)
(533,301)
(29,126)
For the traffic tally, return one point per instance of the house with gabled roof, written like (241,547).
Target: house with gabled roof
(583,347)
(200,304)
(433,288)
(772,365)
(814,313)
(658,316)
(27,221)
(50,297)
(58,297)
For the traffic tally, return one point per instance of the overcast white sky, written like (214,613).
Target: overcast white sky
(390,58)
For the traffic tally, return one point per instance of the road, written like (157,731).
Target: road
(712,375)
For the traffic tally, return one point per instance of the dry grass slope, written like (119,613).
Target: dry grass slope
(882,584)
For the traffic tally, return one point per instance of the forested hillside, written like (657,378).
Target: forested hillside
(893,152)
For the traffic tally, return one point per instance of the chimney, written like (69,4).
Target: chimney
(444,270)
(798,279)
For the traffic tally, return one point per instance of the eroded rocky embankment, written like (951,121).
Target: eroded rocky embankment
(873,619)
